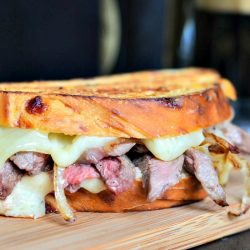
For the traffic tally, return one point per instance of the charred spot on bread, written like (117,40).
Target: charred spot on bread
(208,96)
(36,106)
(170,102)
(83,128)
(107,197)
(115,111)
(200,109)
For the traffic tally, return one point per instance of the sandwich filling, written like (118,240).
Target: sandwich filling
(33,164)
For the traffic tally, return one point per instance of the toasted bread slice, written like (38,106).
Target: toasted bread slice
(139,105)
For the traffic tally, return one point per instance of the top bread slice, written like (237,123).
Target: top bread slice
(139,105)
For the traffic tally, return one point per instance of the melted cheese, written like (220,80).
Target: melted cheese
(170,148)
(64,150)
(138,174)
(27,198)
(95,185)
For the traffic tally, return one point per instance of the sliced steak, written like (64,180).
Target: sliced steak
(237,136)
(75,174)
(199,164)
(9,176)
(117,172)
(94,155)
(119,148)
(158,176)
(32,162)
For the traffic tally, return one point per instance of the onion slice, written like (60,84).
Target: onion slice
(225,157)
(245,203)
(62,204)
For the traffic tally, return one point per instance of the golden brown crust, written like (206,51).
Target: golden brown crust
(187,190)
(139,105)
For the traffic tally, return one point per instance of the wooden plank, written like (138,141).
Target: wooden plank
(176,228)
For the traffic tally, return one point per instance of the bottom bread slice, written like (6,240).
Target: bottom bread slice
(187,190)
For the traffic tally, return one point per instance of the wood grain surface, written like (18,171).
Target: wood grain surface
(176,228)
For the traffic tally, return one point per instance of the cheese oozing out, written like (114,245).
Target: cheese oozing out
(170,148)
(94,186)
(27,197)
(64,150)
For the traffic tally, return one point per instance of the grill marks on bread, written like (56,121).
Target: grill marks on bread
(171,102)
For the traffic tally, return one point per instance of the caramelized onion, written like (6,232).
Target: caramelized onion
(60,197)
(225,157)
(245,203)
(219,145)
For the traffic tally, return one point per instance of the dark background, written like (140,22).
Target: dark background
(63,39)
(48,39)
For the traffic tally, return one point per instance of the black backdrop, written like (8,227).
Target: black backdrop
(48,39)
(59,39)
